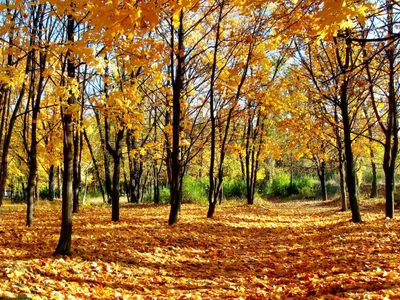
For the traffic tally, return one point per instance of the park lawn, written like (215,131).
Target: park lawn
(272,250)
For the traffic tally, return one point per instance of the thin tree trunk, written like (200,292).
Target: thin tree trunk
(391,135)
(59,182)
(51,183)
(212,192)
(176,168)
(77,176)
(95,165)
(64,243)
(350,164)
(321,176)
(116,154)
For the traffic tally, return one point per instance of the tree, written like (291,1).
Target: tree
(64,243)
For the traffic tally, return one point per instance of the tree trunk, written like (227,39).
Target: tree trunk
(374,183)
(64,243)
(212,190)
(321,176)
(176,168)
(51,183)
(59,182)
(115,192)
(350,165)
(391,134)
(77,175)
(116,154)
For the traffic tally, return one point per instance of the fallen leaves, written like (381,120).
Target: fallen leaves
(295,250)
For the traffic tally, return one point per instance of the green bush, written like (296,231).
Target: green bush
(194,190)
(305,186)
(281,187)
(367,175)
(164,195)
(44,193)
(234,188)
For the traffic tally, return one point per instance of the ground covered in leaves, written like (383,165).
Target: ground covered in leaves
(272,250)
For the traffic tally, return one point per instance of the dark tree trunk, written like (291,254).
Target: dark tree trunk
(64,243)
(77,176)
(177,85)
(33,104)
(59,182)
(212,190)
(6,108)
(51,183)
(350,164)
(156,195)
(108,182)
(168,147)
(374,183)
(341,165)
(116,154)
(115,193)
(391,134)
(7,139)
(321,176)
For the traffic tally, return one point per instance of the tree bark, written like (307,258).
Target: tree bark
(177,86)
(51,183)
(321,176)
(350,164)
(64,243)
(391,134)
(116,154)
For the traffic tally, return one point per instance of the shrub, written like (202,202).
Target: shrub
(45,194)
(194,191)
(234,188)
(281,187)
(148,197)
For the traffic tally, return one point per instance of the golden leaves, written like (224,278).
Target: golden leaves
(271,250)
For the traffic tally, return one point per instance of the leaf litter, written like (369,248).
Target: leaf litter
(280,250)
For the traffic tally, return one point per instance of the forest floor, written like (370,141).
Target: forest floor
(271,250)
